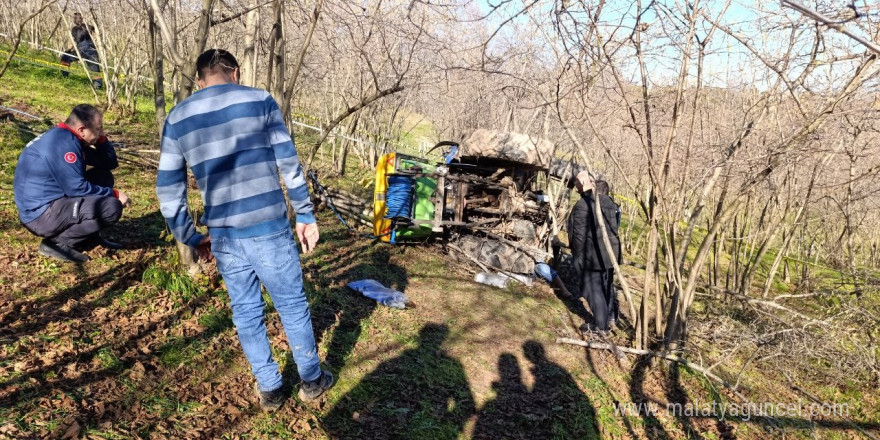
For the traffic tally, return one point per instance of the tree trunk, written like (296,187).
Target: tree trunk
(251,31)
(650,265)
(188,69)
(344,145)
(297,65)
(158,62)
(275,82)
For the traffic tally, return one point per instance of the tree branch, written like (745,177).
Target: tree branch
(171,42)
(815,15)
(233,17)
(350,111)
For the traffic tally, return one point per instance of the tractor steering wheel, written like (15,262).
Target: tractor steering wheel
(447,154)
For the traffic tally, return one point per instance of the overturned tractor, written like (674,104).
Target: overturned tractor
(493,199)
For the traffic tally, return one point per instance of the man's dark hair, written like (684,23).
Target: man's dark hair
(83,114)
(603,188)
(213,59)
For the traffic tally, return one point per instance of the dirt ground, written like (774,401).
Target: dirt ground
(122,347)
(126,346)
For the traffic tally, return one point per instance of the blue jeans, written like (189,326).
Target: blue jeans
(272,260)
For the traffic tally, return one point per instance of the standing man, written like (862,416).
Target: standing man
(234,140)
(58,198)
(82,38)
(591,259)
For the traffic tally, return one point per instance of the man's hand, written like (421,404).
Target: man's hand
(123,198)
(204,249)
(308,235)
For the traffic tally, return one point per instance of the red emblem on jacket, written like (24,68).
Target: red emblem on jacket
(70,158)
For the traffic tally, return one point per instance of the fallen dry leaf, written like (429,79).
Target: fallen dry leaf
(72,431)
(138,371)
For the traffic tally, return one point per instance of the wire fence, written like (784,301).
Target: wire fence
(44,63)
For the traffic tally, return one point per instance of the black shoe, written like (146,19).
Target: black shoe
(309,391)
(61,252)
(96,240)
(270,400)
(107,244)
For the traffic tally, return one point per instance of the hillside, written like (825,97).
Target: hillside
(129,346)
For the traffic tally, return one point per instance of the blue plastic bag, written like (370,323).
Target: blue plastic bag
(546,272)
(375,290)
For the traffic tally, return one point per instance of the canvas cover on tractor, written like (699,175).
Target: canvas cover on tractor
(510,146)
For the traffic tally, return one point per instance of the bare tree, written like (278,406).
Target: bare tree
(19,28)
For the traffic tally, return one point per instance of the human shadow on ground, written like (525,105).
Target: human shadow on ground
(342,310)
(422,393)
(642,404)
(139,232)
(591,358)
(678,395)
(555,407)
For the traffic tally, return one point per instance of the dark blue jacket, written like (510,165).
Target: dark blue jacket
(53,166)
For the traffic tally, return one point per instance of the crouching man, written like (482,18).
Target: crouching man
(58,198)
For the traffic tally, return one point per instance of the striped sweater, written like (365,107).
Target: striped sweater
(234,140)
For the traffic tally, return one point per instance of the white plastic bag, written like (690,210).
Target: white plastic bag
(375,290)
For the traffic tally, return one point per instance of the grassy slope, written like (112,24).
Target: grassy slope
(127,346)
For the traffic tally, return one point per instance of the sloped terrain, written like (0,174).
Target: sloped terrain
(129,346)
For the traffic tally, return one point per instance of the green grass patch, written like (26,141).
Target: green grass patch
(180,351)
(164,405)
(108,360)
(216,320)
(48,94)
(181,286)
